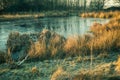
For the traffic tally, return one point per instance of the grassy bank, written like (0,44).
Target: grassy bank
(21,15)
(104,67)
(101,14)
(48,44)
(52,57)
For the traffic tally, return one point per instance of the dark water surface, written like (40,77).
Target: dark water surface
(65,26)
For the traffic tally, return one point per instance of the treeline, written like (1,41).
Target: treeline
(38,5)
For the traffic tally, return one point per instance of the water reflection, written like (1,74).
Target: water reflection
(65,26)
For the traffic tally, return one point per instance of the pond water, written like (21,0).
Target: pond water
(65,26)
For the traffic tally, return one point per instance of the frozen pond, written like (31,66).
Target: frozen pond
(65,26)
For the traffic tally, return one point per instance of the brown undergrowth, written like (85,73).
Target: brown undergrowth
(48,44)
(105,38)
(77,45)
(109,14)
(2,57)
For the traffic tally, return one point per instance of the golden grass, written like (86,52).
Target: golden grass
(103,55)
(97,28)
(71,45)
(88,77)
(101,14)
(37,49)
(34,14)
(49,44)
(117,65)
(34,69)
(56,45)
(61,74)
(105,37)
(76,45)
(14,16)
(108,41)
(112,25)
(99,72)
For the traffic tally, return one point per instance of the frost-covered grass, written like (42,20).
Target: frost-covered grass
(71,68)
(87,57)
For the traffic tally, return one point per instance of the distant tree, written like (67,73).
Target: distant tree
(38,5)
(96,5)
(3,4)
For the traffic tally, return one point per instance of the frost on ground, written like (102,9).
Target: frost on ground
(76,68)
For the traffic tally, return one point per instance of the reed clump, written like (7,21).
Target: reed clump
(45,44)
(61,74)
(49,44)
(112,25)
(107,36)
(18,45)
(109,41)
(34,70)
(117,65)
(2,57)
(77,45)
(110,14)
(23,15)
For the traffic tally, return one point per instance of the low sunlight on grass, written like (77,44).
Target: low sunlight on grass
(110,14)
(77,45)
(91,56)
(61,74)
(105,37)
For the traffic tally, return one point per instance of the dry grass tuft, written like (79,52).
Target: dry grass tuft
(18,45)
(100,72)
(61,74)
(107,37)
(97,29)
(112,25)
(88,77)
(117,67)
(34,69)
(37,49)
(49,44)
(101,14)
(103,55)
(17,16)
(106,42)
(77,45)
